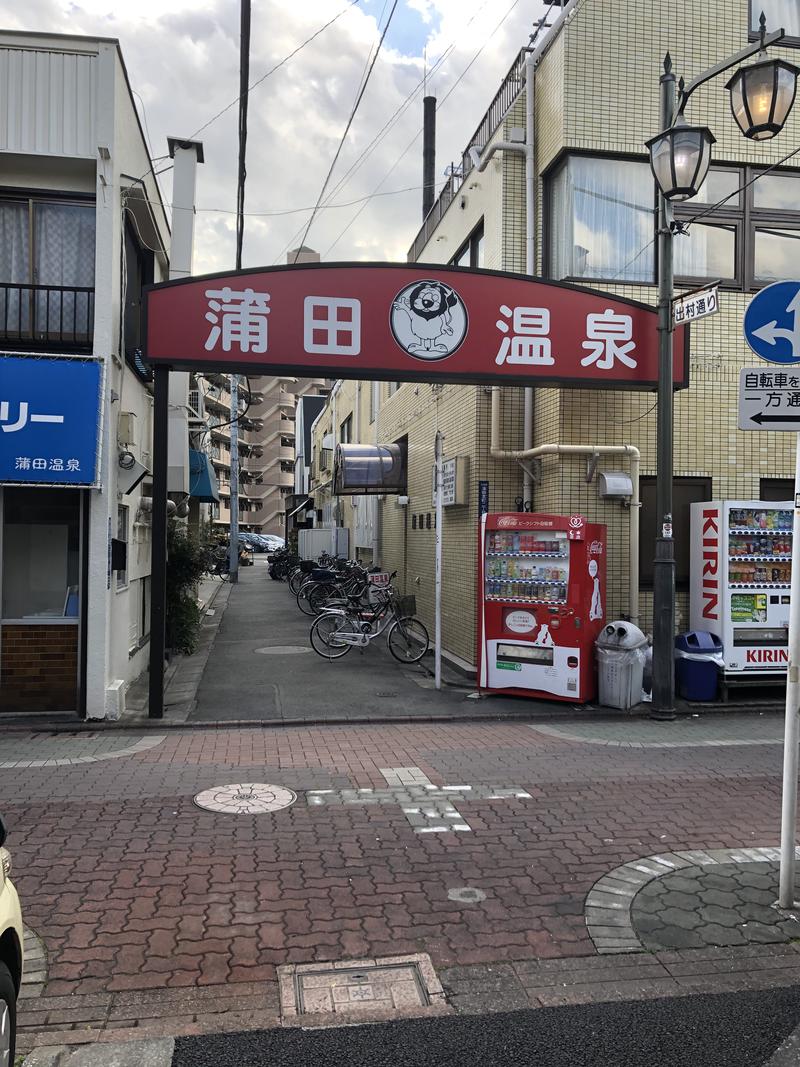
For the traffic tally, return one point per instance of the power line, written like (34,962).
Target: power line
(277,66)
(416,135)
(358,100)
(741,189)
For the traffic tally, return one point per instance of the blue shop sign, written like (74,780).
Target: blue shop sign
(49,420)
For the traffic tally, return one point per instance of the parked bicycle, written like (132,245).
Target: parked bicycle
(339,629)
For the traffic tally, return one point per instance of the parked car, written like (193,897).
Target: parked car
(273,542)
(10,954)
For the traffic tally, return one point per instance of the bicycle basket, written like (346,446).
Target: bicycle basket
(405,606)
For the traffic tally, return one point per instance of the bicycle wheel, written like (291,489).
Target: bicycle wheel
(323,636)
(321,595)
(302,598)
(295,581)
(407,640)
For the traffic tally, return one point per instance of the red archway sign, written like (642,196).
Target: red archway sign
(407,322)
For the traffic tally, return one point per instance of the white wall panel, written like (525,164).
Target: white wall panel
(48,102)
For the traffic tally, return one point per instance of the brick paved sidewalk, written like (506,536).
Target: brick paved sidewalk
(152,910)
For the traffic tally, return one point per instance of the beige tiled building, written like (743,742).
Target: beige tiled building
(596,101)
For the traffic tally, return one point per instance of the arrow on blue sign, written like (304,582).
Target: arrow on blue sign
(772,323)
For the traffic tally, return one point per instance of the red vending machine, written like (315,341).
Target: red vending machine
(541,597)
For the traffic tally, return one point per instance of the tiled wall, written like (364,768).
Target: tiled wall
(38,668)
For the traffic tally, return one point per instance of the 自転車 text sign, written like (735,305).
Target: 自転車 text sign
(407,322)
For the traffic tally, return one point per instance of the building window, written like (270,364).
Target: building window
(780,14)
(122,535)
(41,553)
(601,225)
(139,271)
(776,489)
(685,491)
(602,220)
(47,253)
(706,252)
(470,254)
(346,431)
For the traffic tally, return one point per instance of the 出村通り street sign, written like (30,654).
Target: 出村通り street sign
(695,305)
(769,400)
(407,322)
(772,323)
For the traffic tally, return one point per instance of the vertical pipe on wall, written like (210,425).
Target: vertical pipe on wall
(530,257)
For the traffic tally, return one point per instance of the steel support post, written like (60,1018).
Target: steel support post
(663,706)
(158,569)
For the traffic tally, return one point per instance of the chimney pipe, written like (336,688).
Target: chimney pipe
(428,154)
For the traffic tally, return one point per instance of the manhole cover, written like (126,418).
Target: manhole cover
(283,650)
(245,798)
(400,983)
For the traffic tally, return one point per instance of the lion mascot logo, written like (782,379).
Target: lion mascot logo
(429,320)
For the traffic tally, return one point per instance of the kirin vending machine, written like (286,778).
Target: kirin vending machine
(740,581)
(541,597)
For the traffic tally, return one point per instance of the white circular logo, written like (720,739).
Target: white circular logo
(520,622)
(428,320)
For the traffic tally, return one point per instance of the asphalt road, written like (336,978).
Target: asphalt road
(732,1030)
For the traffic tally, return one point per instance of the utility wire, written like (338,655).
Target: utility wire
(358,100)
(416,135)
(741,189)
(272,70)
(387,126)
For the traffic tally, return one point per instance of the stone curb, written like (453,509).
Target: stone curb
(34,970)
(150,1053)
(141,745)
(608,903)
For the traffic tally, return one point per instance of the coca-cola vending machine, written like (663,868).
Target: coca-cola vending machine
(541,604)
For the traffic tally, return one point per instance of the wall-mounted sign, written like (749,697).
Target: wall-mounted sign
(50,413)
(407,322)
(455,482)
(695,305)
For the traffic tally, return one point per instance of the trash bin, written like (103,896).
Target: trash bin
(620,650)
(698,659)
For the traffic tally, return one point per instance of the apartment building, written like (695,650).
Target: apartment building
(83,230)
(595,104)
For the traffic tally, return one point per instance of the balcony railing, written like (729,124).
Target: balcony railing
(47,316)
(499,107)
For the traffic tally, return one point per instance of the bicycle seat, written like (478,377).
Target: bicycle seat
(322,574)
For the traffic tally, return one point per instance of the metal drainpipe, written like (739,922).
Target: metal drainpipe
(530,254)
(376,520)
(586,450)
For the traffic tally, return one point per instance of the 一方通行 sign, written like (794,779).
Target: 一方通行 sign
(769,399)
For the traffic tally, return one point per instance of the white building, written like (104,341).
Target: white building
(83,229)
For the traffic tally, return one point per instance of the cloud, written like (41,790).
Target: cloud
(182,57)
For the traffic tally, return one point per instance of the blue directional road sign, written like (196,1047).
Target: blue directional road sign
(772,323)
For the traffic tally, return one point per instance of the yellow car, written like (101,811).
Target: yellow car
(10,956)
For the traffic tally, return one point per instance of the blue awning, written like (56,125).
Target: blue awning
(202,478)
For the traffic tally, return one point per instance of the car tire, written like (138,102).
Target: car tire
(8,1017)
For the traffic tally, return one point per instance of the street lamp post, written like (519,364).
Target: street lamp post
(762,95)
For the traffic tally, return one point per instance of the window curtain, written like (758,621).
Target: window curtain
(780,14)
(603,220)
(64,247)
(15,268)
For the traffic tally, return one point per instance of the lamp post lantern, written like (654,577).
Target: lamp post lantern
(762,95)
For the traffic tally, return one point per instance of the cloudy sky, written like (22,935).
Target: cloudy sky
(183,62)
